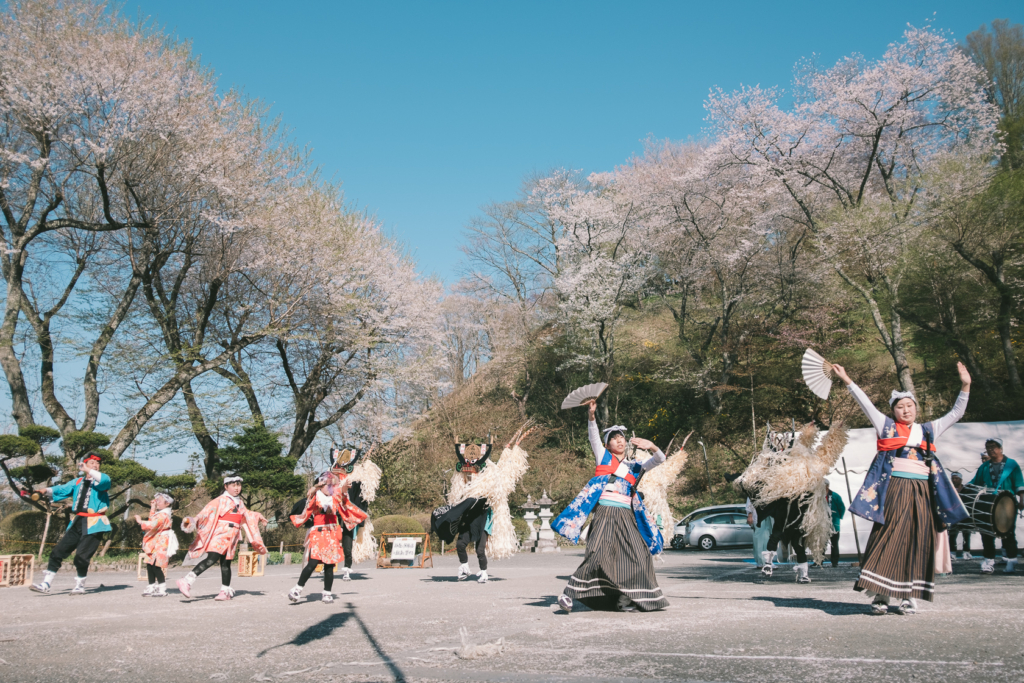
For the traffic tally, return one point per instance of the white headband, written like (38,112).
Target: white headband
(994,439)
(611,430)
(232,479)
(170,501)
(897,395)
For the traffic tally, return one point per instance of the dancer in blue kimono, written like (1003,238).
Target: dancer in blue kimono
(908,496)
(617,571)
(89,503)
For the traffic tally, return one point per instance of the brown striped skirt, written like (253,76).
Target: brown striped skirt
(899,560)
(617,563)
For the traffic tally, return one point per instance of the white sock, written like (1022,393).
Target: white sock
(48,577)
(190,578)
(226,589)
(162,587)
(80,580)
(464,568)
(297,588)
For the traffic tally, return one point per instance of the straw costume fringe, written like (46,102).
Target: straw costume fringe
(364,545)
(655,485)
(496,483)
(798,474)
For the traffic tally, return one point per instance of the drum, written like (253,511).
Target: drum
(991,512)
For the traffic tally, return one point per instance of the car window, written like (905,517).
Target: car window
(718,519)
(739,519)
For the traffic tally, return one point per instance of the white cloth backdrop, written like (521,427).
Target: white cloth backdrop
(959,450)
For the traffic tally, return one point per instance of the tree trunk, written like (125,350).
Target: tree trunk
(893,341)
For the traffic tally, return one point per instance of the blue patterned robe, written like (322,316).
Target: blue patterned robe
(571,520)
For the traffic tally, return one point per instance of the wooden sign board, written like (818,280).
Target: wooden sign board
(403,551)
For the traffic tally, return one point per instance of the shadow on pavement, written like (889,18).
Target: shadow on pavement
(395,671)
(836,609)
(319,630)
(211,596)
(452,579)
(103,588)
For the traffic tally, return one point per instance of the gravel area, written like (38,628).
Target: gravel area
(725,624)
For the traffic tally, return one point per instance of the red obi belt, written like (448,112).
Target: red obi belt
(602,470)
(90,514)
(900,441)
(325,520)
(233,517)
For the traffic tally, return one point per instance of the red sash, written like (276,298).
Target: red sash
(898,442)
(233,517)
(90,514)
(602,470)
(324,520)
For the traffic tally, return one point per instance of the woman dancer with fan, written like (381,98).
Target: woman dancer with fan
(908,496)
(617,571)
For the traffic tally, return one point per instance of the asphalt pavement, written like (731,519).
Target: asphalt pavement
(725,623)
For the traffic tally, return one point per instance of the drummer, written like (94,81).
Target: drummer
(1002,474)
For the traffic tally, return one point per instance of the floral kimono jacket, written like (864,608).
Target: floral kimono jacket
(323,540)
(571,520)
(219,527)
(159,538)
(869,502)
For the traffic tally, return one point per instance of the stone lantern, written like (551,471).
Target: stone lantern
(530,544)
(546,542)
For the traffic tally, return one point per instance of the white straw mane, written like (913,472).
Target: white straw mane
(798,474)
(495,482)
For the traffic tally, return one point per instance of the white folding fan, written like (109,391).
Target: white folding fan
(817,373)
(580,396)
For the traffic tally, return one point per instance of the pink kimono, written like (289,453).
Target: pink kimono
(323,540)
(219,528)
(156,541)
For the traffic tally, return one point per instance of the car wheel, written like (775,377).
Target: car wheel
(678,542)
(706,543)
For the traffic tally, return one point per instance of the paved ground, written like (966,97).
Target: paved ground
(725,624)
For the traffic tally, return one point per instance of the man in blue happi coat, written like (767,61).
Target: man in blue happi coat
(89,503)
(1002,474)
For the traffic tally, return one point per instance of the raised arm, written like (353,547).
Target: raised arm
(867,407)
(959,406)
(656,459)
(594,434)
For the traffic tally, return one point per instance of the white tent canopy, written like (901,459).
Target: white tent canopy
(959,450)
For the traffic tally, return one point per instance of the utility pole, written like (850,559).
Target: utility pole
(707,472)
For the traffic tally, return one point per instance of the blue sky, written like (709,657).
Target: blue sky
(427,110)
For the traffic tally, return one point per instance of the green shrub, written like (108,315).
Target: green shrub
(27,525)
(522,529)
(274,557)
(397,524)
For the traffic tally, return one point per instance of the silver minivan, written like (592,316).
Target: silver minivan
(726,532)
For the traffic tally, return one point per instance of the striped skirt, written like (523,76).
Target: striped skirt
(899,560)
(617,564)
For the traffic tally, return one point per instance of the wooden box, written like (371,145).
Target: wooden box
(17,570)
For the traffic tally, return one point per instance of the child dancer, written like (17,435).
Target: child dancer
(327,502)
(159,544)
(218,529)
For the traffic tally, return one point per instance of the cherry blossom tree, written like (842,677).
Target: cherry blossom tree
(852,151)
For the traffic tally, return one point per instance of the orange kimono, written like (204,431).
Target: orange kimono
(157,540)
(219,528)
(323,540)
